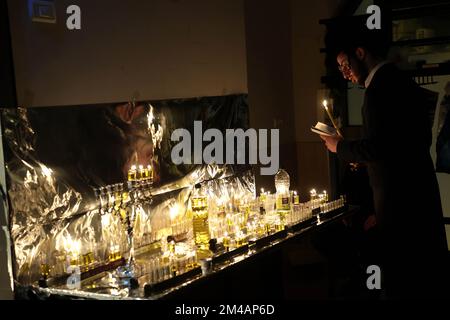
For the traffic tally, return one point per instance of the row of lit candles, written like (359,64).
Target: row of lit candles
(161,268)
(295,197)
(138,173)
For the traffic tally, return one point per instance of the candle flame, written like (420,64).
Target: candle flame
(105,220)
(174,211)
(325,104)
(221,201)
(70,246)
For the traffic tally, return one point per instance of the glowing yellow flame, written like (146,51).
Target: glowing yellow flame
(72,247)
(221,201)
(174,211)
(105,220)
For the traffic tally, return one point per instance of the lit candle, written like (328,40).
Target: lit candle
(141,172)
(325,105)
(174,211)
(73,248)
(149,172)
(296,198)
(262,196)
(132,173)
(226,241)
(313,194)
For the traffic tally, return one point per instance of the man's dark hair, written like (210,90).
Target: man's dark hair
(347,34)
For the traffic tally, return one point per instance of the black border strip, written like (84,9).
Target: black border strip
(8,93)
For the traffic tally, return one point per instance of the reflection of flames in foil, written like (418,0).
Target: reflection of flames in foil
(101,232)
(155,130)
(49,219)
(175,211)
(40,205)
(69,245)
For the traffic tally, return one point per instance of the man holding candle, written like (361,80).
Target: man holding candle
(395,147)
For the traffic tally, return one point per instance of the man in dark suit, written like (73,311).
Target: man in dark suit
(395,147)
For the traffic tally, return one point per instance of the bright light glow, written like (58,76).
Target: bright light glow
(221,201)
(174,211)
(156,132)
(72,247)
(105,220)
(47,172)
(150,117)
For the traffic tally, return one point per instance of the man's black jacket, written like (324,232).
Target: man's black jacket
(396,148)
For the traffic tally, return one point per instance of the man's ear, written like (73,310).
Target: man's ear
(360,53)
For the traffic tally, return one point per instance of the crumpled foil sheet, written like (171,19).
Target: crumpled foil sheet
(39,240)
(38,202)
(49,217)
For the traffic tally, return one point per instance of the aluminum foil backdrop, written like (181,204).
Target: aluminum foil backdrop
(56,156)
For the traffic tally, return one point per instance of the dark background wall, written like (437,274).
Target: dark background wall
(7,93)
(284,69)
(155,49)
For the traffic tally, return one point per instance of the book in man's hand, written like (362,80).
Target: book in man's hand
(323,129)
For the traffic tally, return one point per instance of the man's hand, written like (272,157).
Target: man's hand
(331,142)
